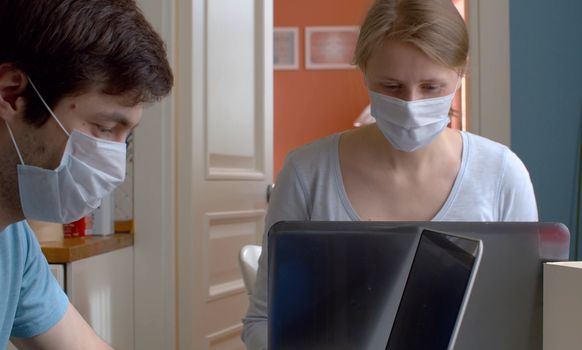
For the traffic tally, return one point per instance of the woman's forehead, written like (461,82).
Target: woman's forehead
(405,62)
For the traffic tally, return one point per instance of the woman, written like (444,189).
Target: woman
(408,166)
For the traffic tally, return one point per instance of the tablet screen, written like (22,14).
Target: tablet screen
(434,292)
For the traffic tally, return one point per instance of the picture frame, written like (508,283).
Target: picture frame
(330,47)
(286,48)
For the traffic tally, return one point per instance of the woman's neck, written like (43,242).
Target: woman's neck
(371,143)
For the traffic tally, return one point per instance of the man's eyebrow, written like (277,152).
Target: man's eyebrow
(116,117)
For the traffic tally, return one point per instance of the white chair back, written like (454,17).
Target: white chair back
(249,263)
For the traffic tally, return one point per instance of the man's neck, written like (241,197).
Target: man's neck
(4,223)
(10,210)
(8,214)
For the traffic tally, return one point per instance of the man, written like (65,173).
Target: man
(73,77)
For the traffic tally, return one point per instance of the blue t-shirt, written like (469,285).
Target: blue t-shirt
(31,300)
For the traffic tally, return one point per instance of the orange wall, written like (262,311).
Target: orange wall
(310,104)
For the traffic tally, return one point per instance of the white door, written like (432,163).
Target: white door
(203,160)
(224,163)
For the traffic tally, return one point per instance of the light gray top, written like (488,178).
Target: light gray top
(492,185)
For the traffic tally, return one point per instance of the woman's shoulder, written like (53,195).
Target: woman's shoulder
(494,156)
(485,146)
(315,154)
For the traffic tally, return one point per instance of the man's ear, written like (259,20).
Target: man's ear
(12,84)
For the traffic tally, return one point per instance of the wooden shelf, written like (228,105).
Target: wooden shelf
(72,249)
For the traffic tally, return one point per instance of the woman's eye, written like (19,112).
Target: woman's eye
(391,86)
(431,87)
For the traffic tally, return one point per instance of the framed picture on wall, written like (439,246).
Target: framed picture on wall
(330,47)
(285,48)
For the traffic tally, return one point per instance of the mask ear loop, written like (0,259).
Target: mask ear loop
(47,107)
(14,142)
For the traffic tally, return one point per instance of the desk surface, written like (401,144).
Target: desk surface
(72,249)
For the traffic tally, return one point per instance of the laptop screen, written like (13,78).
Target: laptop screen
(434,292)
(330,290)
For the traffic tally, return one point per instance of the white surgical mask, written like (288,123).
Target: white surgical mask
(90,169)
(410,125)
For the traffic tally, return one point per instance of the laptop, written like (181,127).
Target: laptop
(425,285)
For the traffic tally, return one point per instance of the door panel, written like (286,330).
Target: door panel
(225,339)
(227,233)
(235,128)
(230,85)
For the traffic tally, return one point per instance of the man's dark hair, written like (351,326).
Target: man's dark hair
(68,46)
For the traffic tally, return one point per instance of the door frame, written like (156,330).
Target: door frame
(489,70)
(155,268)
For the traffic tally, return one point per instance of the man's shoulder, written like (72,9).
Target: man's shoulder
(16,238)
(13,257)
(17,231)
(37,302)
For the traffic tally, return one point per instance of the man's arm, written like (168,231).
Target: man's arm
(71,333)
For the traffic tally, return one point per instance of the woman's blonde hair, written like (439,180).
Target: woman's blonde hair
(433,26)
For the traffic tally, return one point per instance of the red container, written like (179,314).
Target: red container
(79,228)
